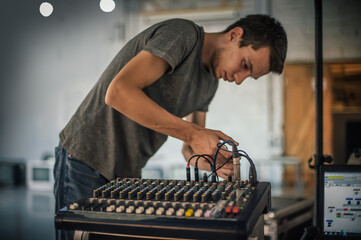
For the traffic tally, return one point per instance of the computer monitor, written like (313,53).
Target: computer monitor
(340,204)
(40,174)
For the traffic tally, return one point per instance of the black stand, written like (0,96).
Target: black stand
(319,110)
(313,232)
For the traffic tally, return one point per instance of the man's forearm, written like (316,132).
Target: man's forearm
(136,105)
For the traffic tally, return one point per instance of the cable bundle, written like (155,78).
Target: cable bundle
(235,154)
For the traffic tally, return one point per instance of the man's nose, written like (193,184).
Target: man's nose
(240,77)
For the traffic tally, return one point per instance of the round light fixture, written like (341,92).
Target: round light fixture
(107,5)
(46,9)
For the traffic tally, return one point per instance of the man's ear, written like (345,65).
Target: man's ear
(235,33)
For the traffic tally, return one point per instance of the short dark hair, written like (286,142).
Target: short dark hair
(263,31)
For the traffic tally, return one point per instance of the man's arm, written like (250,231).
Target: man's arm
(126,96)
(199,118)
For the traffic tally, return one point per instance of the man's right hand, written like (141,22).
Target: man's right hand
(206,141)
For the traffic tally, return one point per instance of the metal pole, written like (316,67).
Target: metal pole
(319,108)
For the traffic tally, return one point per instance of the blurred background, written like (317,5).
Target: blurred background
(52,53)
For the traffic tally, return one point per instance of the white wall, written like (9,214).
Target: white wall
(48,65)
(341,29)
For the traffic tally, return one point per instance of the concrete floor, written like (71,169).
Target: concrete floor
(26,214)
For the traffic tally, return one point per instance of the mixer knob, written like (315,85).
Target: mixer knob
(149,195)
(207,213)
(235,210)
(114,194)
(196,197)
(178,196)
(147,203)
(169,195)
(180,212)
(139,210)
(187,196)
(140,195)
(198,213)
(215,195)
(129,209)
(156,204)
(149,210)
(232,195)
(131,194)
(96,193)
(175,204)
(159,195)
(189,212)
(170,211)
(138,203)
(206,195)
(228,209)
(184,205)
(160,211)
(120,209)
(74,206)
(122,194)
(110,208)
(105,193)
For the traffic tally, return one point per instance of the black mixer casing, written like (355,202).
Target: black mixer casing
(230,217)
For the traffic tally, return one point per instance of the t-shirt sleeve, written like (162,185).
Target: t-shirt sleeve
(173,40)
(204,108)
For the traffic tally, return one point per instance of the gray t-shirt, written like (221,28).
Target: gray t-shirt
(116,146)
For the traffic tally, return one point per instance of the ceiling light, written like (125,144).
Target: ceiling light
(107,5)
(46,9)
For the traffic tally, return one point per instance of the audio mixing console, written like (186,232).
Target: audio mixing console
(169,209)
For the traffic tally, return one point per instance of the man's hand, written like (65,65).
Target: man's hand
(203,164)
(226,170)
(206,141)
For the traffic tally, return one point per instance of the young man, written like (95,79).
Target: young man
(167,72)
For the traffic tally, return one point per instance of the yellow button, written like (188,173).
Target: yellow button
(189,213)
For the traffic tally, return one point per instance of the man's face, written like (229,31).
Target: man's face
(235,64)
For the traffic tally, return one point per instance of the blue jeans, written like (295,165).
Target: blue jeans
(73,181)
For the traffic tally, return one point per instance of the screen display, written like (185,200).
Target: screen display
(342,203)
(41,174)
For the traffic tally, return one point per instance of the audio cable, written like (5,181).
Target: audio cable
(236,156)
(252,168)
(196,173)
